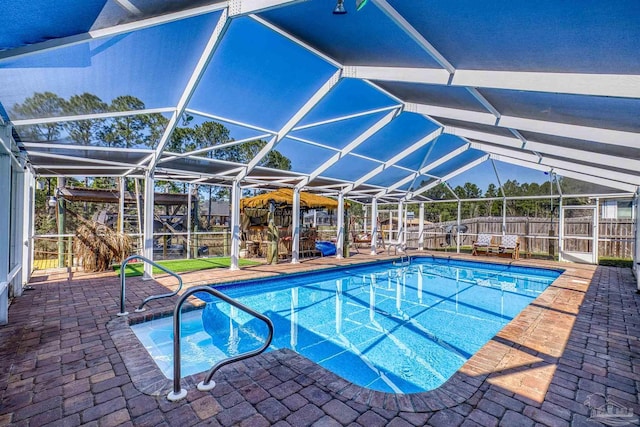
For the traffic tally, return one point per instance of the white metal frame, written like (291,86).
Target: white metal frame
(585,257)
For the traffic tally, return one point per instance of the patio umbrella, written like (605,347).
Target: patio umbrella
(284,196)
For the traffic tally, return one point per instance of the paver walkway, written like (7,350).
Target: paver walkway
(66,359)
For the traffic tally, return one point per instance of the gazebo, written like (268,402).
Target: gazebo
(288,206)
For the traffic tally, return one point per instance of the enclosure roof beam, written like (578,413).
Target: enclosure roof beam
(55,166)
(555,150)
(604,136)
(470,165)
(246,7)
(349,147)
(435,76)
(495,170)
(141,164)
(484,101)
(315,144)
(94,116)
(347,117)
(556,163)
(236,8)
(446,184)
(167,155)
(395,159)
(568,173)
(230,121)
(76,147)
(80,160)
(423,170)
(618,85)
(297,41)
(414,34)
(186,174)
(293,121)
(194,79)
(12,54)
(615,85)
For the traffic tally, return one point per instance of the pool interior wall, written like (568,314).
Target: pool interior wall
(394,329)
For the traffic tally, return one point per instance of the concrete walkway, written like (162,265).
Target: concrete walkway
(66,359)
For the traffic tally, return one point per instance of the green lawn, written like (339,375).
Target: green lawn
(183,265)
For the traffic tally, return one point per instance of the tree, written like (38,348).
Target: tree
(84,132)
(440,212)
(468,191)
(46,104)
(127,131)
(210,134)
(492,207)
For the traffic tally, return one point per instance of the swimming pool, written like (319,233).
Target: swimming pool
(400,329)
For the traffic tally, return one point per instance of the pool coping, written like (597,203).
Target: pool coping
(460,387)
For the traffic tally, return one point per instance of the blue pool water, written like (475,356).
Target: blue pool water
(388,328)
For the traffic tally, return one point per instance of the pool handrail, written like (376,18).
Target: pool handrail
(123,278)
(208,384)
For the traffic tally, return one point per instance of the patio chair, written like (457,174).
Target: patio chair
(510,244)
(484,242)
(308,242)
(358,239)
(284,247)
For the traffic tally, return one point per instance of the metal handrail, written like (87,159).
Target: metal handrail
(400,243)
(207,384)
(151,298)
(402,262)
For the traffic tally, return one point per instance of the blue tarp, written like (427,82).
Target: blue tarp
(326,248)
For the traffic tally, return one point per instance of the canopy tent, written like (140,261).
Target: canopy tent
(284,197)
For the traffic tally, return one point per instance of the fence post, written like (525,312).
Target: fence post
(70,250)
(526,233)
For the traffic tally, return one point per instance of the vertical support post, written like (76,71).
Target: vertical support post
(236,192)
(504,216)
(421,227)
(560,231)
(458,227)
(596,231)
(315,218)
(140,214)
(405,226)
(400,222)
(196,219)
(5,229)
(28,212)
(122,182)
(61,221)
(374,226)
(17,227)
(295,225)
(340,227)
(636,242)
(147,239)
(364,226)
(189,221)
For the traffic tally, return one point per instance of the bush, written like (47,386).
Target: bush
(616,262)
(98,246)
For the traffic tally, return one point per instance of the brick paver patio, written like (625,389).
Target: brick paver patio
(66,359)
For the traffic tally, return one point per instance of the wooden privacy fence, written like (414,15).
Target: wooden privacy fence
(537,235)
